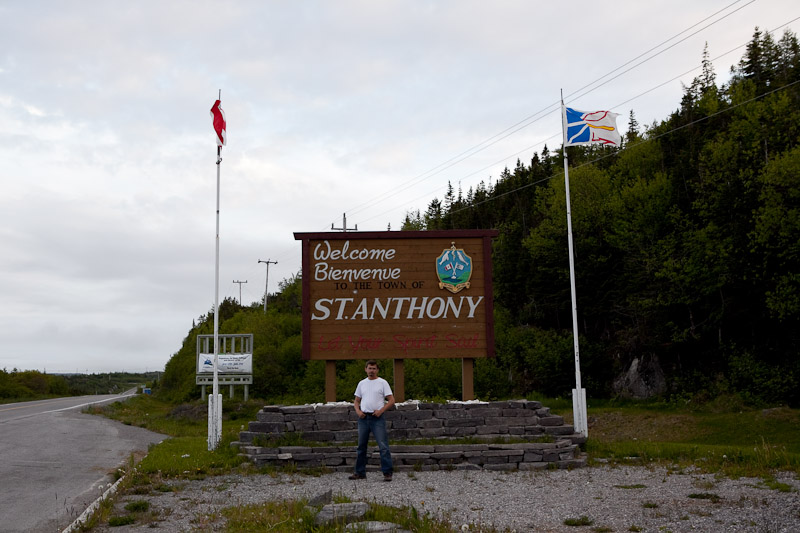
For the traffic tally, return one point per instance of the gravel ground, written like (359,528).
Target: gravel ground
(615,498)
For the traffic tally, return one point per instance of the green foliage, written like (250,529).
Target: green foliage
(31,384)
(189,457)
(138,506)
(116,521)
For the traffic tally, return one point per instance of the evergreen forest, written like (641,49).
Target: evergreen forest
(687,260)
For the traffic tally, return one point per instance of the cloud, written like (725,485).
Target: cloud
(107,217)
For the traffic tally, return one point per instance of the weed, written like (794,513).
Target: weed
(116,521)
(582,521)
(771,483)
(341,498)
(715,498)
(137,506)
(703,484)
(637,486)
(635,529)
(649,505)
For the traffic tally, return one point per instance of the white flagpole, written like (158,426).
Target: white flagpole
(215,400)
(578,393)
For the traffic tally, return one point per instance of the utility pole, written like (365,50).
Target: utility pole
(266,285)
(344,225)
(240,290)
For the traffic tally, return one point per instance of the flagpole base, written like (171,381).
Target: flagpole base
(580,417)
(214,421)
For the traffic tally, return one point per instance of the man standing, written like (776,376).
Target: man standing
(373,397)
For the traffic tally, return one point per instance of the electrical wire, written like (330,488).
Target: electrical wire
(516,154)
(648,140)
(529,120)
(544,112)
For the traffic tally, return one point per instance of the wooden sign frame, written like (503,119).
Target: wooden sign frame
(397,295)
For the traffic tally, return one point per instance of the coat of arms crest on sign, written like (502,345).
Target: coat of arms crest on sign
(454,268)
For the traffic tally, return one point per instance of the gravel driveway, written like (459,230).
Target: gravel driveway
(614,498)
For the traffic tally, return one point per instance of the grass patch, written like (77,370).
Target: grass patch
(184,420)
(188,457)
(773,484)
(295,516)
(637,486)
(138,506)
(116,521)
(582,521)
(714,498)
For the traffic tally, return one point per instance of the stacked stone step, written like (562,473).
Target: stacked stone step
(485,421)
(510,456)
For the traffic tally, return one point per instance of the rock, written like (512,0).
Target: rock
(321,499)
(644,378)
(341,512)
(374,527)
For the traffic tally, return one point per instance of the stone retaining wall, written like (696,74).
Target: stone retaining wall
(485,421)
(517,456)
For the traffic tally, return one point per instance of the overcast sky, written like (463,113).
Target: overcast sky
(107,225)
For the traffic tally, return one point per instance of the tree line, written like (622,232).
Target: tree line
(19,385)
(687,259)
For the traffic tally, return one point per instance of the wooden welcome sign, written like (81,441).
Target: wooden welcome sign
(397,295)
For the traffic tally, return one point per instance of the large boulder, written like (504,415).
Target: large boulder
(342,513)
(643,378)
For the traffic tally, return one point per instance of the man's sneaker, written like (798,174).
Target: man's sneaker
(360,476)
(387,477)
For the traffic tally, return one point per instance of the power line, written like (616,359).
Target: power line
(546,111)
(506,158)
(527,121)
(662,51)
(649,139)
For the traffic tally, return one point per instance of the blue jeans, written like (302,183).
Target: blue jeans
(377,426)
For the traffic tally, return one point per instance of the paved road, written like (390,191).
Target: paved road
(56,460)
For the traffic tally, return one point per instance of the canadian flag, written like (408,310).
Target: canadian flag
(219,123)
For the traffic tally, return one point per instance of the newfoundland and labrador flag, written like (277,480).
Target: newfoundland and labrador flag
(219,123)
(591,127)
